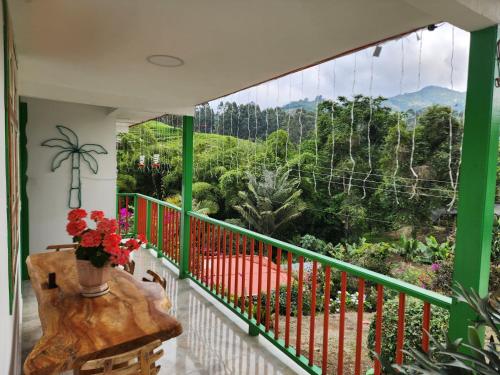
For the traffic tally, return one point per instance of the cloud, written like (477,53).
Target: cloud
(397,70)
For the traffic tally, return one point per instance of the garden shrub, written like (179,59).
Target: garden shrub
(417,275)
(204,191)
(413,326)
(443,276)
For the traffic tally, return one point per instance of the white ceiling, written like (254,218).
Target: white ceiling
(94,51)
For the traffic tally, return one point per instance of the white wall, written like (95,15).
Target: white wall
(48,191)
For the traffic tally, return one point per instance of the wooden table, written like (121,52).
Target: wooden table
(76,329)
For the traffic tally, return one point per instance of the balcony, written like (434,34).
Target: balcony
(211,342)
(239,271)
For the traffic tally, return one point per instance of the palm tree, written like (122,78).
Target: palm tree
(70,146)
(270,202)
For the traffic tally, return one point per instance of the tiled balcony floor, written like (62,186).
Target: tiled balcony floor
(210,344)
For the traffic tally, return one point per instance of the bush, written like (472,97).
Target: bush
(373,256)
(203,191)
(125,183)
(443,276)
(413,326)
(420,276)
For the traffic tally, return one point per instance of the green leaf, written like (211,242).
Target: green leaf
(59,143)
(59,158)
(98,259)
(91,147)
(68,134)
(91,162)
(474,339)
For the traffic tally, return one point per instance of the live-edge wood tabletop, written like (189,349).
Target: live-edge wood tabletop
(76,329)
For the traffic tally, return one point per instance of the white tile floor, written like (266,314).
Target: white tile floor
(210,344)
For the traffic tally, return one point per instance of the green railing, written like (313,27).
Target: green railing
(157,220)
(243,270)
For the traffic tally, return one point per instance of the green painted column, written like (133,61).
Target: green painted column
(23,161)
(477,175)
(187,183)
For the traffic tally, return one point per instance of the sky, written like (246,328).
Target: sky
(444,58)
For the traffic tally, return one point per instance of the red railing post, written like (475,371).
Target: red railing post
(378,327)
(288,299)
(250,286)
(343,290)
(359,326)
(313,312)
(259,283)
(277,295)
(401,329)
(298,343)
(426,326)
(326,310)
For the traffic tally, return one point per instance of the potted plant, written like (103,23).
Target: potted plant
(98,249)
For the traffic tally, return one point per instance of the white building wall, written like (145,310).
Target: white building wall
(48,191)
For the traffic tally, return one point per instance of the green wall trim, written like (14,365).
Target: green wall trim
(477,176)
(23,160)
(6,130)
(187,188)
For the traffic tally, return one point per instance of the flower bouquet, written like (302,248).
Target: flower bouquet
(98,249)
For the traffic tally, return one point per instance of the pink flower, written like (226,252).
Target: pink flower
(77,214)
(97,215)
(107,226)
(435,267)
(92,238)
(76,227)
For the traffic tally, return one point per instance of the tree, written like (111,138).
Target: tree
(270,202)
(70,146)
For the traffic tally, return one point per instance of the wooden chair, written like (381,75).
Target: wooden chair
(129,267)
(139,361)
(68,246)
(156,279)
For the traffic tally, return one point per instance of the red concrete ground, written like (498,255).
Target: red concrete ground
(232,275)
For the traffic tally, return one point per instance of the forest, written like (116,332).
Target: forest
(349,178)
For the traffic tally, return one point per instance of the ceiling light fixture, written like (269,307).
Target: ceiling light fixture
(165,61)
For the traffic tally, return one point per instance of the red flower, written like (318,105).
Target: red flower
(121,258)
(97,215)
(92,238)
(107,226)
(76,227)
(142,238)
(111,243)
(132,244)
(77,214)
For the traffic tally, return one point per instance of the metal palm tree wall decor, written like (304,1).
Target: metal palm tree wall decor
(70,146)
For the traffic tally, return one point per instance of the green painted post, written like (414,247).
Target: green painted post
(477,176)
(135,214)
(187,182)
(148,221)
(23,159)
(159,248)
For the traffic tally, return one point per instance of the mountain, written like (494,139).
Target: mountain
(417,100)
(306,104)
(426,97)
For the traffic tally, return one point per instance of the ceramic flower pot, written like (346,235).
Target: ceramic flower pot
(93,280)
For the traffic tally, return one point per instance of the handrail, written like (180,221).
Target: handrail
(160,202)
(390,282)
